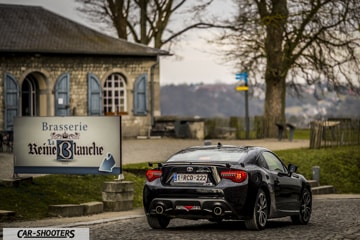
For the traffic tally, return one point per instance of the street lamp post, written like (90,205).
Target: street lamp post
(243,76)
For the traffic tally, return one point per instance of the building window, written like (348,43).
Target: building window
(29,103)
(115,95)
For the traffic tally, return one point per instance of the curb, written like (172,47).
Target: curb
(335,196)
(78,220)
(105,220)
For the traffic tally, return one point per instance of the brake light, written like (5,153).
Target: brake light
(237,176)
(152,174)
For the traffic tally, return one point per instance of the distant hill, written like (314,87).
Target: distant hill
(222,100)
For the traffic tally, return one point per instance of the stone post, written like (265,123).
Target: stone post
(316,173)
(118,196)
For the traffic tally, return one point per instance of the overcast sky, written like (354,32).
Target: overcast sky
(193,63)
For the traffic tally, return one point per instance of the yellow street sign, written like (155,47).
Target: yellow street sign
(242,88)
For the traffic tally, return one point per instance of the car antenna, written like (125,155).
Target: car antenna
(219,145)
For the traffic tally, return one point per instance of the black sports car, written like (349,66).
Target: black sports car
(223,182)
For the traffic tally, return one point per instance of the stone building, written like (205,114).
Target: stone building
(52,66)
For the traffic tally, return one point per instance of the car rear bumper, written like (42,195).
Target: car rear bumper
(190,208)
(224,202)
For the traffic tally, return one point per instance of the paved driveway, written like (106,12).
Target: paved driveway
(331,219)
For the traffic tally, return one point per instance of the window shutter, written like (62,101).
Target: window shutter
(140,96)
(11,101)
(94,96)
(62,95)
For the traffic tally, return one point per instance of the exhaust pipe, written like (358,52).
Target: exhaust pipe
(217,211)
(159,209)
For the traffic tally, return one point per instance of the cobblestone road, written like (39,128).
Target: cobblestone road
(331,219)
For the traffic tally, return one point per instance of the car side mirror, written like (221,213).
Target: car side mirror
(292,168)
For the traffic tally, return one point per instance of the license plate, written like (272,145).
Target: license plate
(190,178)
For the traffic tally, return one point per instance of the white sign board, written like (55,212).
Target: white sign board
(67,145)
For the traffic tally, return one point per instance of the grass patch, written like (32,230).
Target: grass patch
(339,166)
(302,134)
(31,201)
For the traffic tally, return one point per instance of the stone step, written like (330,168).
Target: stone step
(15,182)
(6,215)
(326,189)
(65,210)
(91,208)
(313,183)
(75,210)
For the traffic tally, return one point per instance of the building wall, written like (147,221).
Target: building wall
(48,68)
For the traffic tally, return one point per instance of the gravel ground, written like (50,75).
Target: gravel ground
(153,150)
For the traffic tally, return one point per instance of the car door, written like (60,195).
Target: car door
(286,188)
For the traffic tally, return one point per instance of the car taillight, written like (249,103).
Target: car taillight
(152,174)
(237,176)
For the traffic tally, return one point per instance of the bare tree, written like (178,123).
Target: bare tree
(147,22)
(287,41)
(284,41)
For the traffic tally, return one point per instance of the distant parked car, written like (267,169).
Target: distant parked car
(223,182)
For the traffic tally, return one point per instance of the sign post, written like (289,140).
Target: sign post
(243,76)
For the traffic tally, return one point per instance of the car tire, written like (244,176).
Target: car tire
(157,222)
(260,212)
(305,208)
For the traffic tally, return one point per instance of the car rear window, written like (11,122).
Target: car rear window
(206,155)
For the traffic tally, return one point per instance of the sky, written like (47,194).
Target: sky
(192,63)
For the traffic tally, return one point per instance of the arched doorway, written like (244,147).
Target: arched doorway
(33,95)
